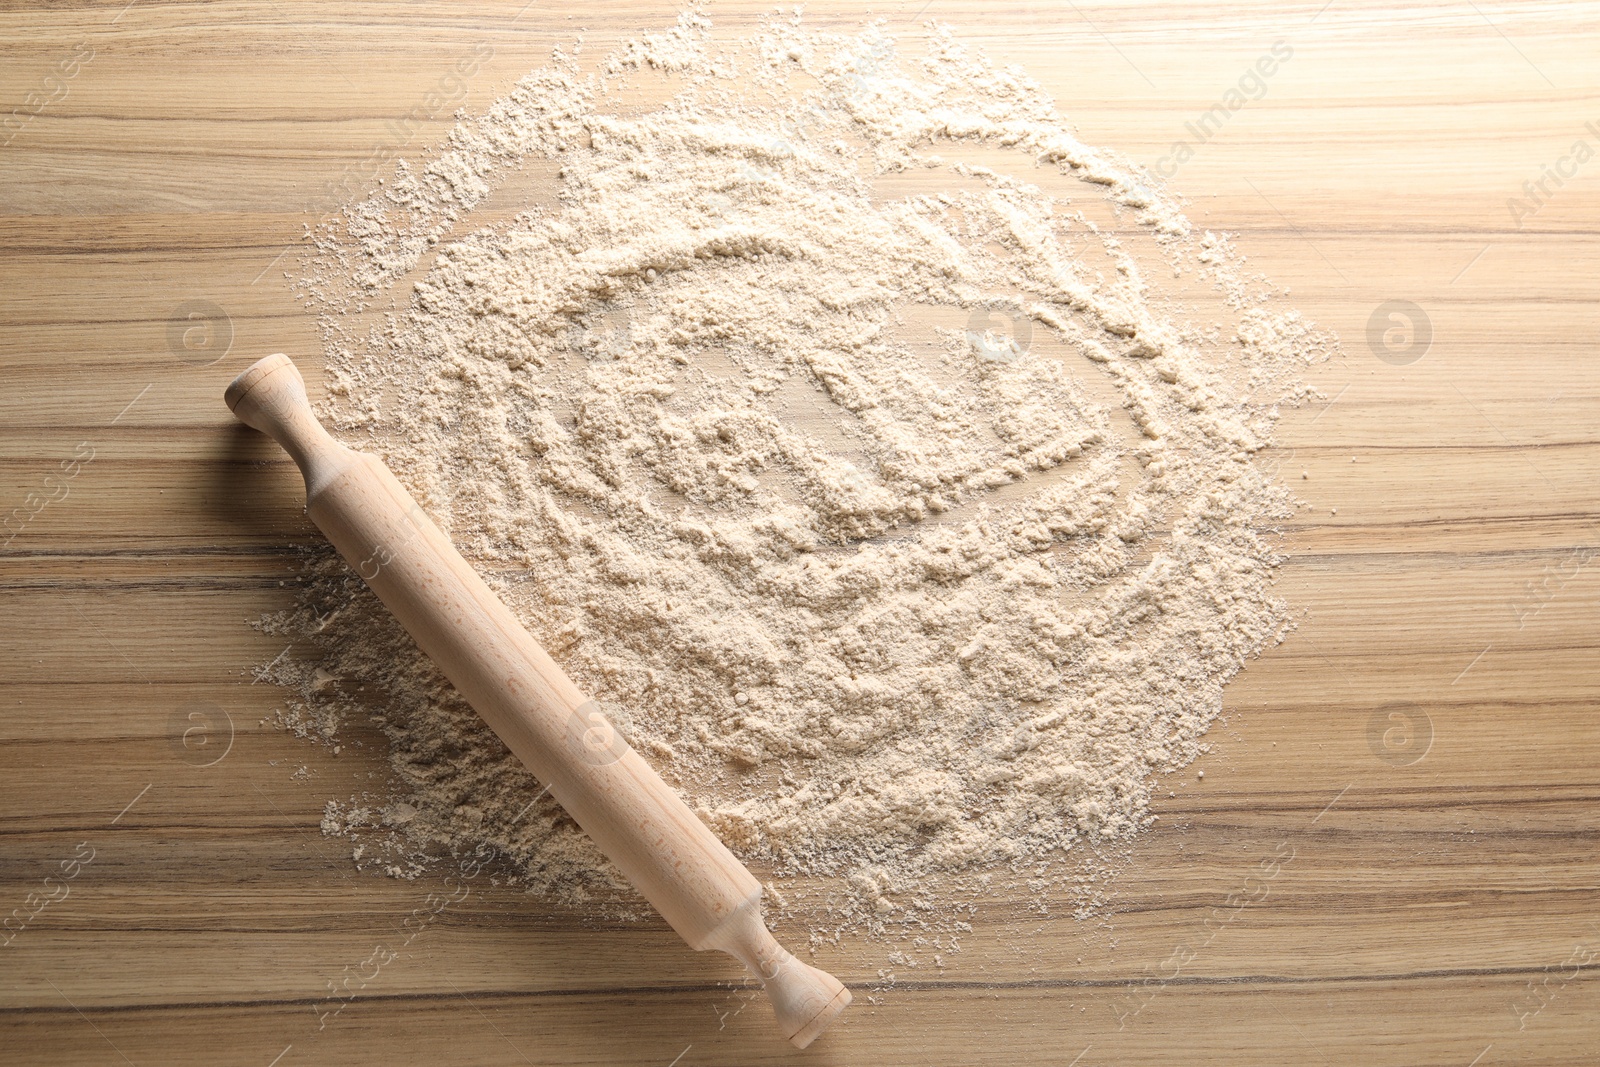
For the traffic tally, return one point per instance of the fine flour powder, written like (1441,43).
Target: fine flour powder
(883,458)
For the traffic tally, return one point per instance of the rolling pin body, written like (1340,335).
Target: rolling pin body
(636,819)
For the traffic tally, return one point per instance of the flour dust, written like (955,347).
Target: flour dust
(881,455)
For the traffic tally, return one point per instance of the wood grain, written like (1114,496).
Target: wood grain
(1441,911)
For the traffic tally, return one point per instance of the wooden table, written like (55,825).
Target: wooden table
(1420,758)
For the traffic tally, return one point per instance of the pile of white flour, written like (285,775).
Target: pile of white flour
(877,452)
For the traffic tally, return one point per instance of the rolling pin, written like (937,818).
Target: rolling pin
(638,821)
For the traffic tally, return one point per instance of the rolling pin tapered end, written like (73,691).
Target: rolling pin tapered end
(270,396)
(245,385)
(804,998)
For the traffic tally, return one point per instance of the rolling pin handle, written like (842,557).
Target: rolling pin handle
(804,998)
(271,397)
(700,888)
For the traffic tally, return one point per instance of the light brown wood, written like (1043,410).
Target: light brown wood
(562,736)
(1435,912)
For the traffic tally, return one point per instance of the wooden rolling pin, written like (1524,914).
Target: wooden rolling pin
(645,828)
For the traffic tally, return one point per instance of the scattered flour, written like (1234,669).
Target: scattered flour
(878,452)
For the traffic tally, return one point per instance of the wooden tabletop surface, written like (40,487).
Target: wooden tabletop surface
(1393,858)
